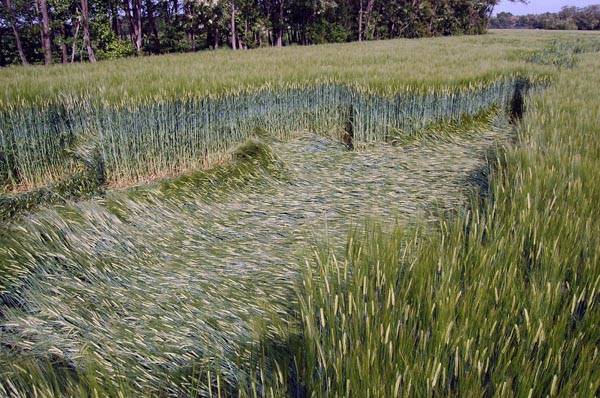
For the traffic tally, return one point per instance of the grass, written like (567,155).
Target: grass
(199,273)
(563,53)
(145,124)
(502,301)
(197,286)
(165,139)
(385,67)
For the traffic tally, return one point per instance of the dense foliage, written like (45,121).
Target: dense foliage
(569,18)
(72,30)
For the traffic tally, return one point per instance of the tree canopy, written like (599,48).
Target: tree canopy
(47,31)
(569,18)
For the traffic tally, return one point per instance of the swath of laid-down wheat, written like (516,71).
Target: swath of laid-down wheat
(199,272)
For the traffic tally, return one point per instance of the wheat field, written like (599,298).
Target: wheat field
(357,222)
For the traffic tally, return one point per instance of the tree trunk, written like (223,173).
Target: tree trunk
(152,22)
(134,15)
(190,38)
(245,45)
(216,44)
(127,9)
(137,20)
(367,21)
(280,25)
(187,16)
(233,25)
(360,20)
(46,42)
(64,56)
(114,18)
(74,46)
(85,15)
(13,25)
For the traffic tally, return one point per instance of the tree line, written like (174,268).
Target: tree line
(569,18)
(50,31)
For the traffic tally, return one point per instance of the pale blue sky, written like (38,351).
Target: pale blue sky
(539,6)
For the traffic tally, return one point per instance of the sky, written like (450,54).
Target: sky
(539,6)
